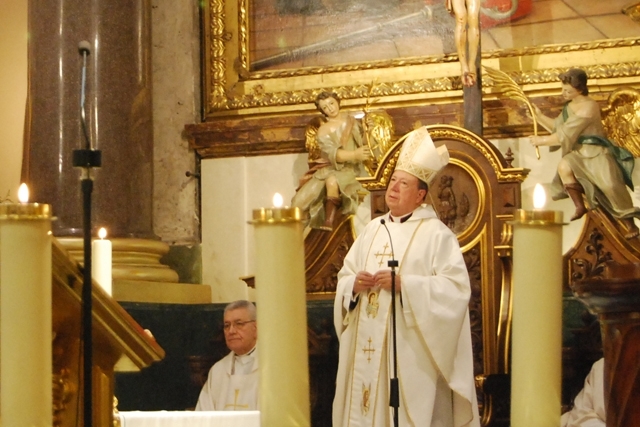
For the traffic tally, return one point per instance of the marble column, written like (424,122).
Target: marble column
(118,112)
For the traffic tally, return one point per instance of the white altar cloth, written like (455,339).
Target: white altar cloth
(190,418)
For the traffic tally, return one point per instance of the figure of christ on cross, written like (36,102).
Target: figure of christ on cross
(467,36)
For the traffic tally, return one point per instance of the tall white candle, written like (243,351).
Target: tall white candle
(536,360)
(25,314)
(282,317)
(101,261)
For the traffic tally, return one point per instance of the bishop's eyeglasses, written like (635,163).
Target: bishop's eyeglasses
(237,324)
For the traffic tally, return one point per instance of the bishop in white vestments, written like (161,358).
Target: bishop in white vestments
(435,360)
(232,384)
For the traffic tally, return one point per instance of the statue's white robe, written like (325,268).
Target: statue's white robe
(435,359)
(231,386)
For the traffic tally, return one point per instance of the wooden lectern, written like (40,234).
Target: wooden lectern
(119,344)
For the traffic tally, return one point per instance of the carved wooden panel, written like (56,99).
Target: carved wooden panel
(601,241)
(324,256)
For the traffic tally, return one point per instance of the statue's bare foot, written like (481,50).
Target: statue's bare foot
(632,228)
(468,79)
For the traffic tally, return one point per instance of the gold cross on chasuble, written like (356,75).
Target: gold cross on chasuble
(235,404)
(385,253)
(368,350)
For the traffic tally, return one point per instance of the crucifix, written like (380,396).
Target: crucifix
(368,350)
(385,253)
(235,404)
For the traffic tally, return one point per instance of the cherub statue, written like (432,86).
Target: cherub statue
(467,36)
(591,165)
(338,151)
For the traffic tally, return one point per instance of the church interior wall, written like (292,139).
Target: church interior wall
(231,189)
(13,93)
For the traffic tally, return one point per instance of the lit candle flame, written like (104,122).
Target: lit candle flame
(277,200)
(539,197)
(102,233)
(23,193)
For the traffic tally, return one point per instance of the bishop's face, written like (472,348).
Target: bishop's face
(240,331)
(403,195)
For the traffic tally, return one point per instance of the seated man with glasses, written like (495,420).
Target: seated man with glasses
(232,384)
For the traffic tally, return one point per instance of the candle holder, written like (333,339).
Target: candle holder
(536,359)
(538,217)
(25,314)
(25,211)
(271,215)
(282,317)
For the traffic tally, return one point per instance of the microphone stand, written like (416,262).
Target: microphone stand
(87,159)
(394,388)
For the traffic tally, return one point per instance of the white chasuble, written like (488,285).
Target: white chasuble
(243,387)
(232,385)
(373,356)
(435,360)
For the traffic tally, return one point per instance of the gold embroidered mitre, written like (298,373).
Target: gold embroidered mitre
(420,157)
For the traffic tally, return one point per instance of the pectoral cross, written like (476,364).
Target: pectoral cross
(385,253)
(235,404)
(368,350)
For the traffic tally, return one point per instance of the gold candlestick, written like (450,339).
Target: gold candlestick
(282,317)
(536,360)
(25,314)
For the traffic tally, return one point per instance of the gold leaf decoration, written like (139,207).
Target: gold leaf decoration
(621,119)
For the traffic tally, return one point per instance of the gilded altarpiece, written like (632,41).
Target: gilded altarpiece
(252,110)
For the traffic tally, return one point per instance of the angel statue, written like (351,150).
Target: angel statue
(591,164)
(338,154)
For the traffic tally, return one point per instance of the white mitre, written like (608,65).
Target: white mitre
(420,157)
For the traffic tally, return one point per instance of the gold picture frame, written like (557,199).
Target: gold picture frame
(230,89)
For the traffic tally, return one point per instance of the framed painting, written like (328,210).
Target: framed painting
(264,56)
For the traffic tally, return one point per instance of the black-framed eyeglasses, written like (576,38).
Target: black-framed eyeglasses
(237,324)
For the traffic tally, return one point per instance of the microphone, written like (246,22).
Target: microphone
(87,157)
(84,48)
(393,257)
